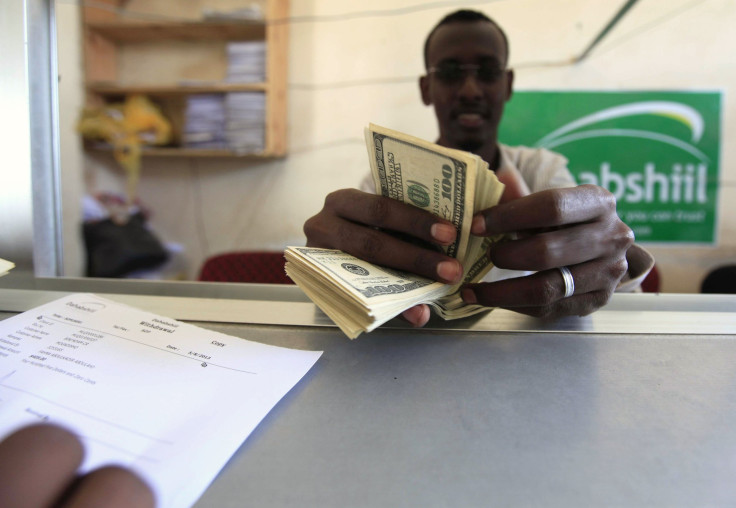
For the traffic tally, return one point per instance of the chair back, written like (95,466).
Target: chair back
(265,267)
(651,282)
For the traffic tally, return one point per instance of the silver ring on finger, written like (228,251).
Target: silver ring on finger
(569,281)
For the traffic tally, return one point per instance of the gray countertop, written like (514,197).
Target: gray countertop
(410,418)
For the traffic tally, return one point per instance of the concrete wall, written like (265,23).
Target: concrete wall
(347,71)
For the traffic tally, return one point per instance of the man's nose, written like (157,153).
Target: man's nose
(470,87)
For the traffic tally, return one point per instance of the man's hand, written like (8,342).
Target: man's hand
(386,232)
(574,227)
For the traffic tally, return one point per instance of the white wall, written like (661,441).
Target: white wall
(16,219)
(347,73)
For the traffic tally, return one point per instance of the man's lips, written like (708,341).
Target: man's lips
(470,119)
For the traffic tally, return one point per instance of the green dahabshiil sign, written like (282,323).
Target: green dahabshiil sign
(657,152)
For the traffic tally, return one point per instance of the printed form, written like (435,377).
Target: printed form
(169,400)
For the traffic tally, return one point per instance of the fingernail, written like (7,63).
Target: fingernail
(478,227)
(443,233)
(468,296)
(450,271)
(417,316)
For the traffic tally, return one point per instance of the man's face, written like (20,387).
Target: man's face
(467,83)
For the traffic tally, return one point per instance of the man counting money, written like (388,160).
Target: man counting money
(569,252)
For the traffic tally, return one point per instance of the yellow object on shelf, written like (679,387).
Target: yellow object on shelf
(127,126)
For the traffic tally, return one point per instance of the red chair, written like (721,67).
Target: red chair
(260,267)
(651,282)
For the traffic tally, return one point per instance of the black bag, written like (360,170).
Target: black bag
(114,250)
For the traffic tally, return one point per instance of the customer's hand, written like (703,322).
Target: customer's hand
(38,468)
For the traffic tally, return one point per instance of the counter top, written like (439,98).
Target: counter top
(274,304)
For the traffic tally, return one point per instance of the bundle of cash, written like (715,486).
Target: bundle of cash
(360,296)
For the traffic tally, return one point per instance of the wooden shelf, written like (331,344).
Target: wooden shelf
(171,60)
(113,90)
(206,152)
(190,152)
(126,31)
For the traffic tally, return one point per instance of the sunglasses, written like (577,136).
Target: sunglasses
(453,73)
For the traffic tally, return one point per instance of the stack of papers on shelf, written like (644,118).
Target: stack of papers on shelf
(252,12)
(245,121)
(246,62)
(204,125)
(234,121)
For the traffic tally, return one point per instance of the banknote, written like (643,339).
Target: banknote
(5,266)
(357,295)
(438,179)
(360,296)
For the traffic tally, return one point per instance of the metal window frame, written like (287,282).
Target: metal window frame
(32,234)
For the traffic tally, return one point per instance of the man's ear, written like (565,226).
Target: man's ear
(509,83)
(424,89)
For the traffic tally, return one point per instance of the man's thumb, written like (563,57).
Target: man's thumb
(515,186)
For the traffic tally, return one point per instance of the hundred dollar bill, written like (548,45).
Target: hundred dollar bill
(438,179)
(359,296)
(488,191)
(452,184)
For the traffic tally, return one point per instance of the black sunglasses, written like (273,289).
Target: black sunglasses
(452,73)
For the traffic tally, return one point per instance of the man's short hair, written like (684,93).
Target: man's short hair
(464,16)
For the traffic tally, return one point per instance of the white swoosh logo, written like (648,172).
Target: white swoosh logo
(675,110)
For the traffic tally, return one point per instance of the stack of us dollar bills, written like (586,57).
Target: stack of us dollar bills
(359,296)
